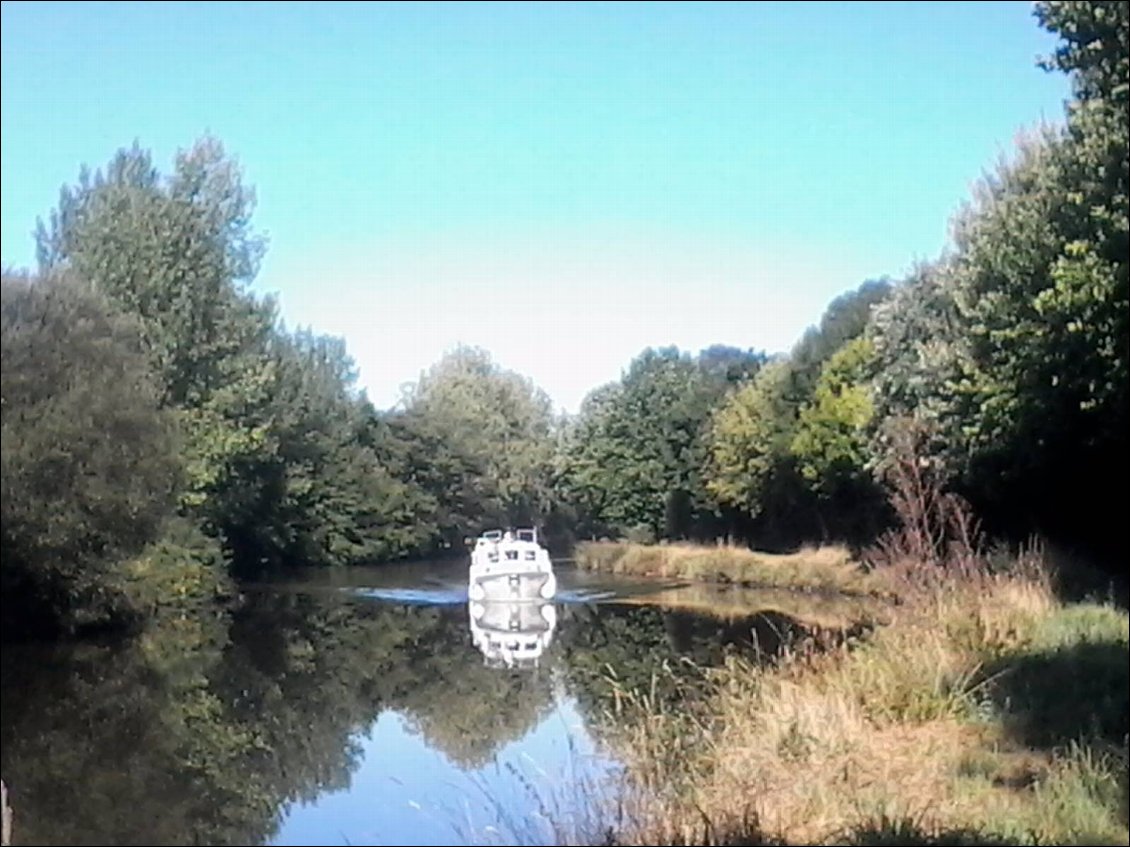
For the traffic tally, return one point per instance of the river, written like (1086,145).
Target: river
(355,707)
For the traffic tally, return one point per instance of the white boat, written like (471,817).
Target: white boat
(510,567)
(512,634)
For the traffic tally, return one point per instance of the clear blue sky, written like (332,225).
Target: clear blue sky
(561,184)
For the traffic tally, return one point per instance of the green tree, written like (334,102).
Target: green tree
(635,453)
(88,461)
(177,252)
(323,495)
(281,457)
(750,466)
(1013,348)
(493,431)
(831,442)
(844,319)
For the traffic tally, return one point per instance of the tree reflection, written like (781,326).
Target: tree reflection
(125,744)
(611,649)
(205,730)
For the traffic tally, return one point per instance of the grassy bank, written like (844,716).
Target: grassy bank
(985,712)
(821,569)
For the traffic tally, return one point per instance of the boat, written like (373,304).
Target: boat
(510,566)
(512,634)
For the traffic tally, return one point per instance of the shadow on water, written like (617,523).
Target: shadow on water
(340,708)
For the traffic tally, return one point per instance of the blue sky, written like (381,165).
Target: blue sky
(562,184)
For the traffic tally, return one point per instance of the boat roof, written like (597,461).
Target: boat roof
(528,533)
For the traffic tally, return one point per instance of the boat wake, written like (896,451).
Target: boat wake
(454,595)
(430,596)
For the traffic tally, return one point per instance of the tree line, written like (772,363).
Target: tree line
(164,431)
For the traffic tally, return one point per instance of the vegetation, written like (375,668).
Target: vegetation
(812,611)
(163,432)
(823,569)
(203,729)
(88,456)
(1005,358)
(481,441)
(632,458)
(948,725)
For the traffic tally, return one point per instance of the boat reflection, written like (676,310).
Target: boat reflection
(512,634)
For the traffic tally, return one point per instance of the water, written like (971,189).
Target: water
(351,708)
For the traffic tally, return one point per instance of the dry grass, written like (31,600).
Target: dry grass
(828,568)
(905,738)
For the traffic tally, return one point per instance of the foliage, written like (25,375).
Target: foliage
(843,320)
(787,449)
(281,461)
(831,444)
(1013,348)
(829,441)
(89,468)
(175,251)
(749,440)
(635,453)
(481,442)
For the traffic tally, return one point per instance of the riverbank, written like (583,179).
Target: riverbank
(985,712)
(828,568)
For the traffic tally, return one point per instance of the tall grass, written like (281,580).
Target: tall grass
(827,568)
(983,710)
(953,724)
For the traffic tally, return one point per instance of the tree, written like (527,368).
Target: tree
(753,464)
(634,457)
(492,430)
(323,495)
(1012,350)
(279,451)
(843,320)
(177,253)
(831,442)
(750,436)
(89,469)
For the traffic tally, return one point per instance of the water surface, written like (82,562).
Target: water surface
(351,707)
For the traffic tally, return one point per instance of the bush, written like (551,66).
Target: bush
(88,465)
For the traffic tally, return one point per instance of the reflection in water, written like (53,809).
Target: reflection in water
(512,634)
(290,721)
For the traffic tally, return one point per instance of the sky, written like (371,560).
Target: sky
(561,184)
